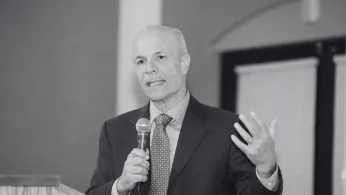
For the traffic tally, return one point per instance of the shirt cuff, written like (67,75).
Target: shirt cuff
(270,183)
(114,188)
(115,191)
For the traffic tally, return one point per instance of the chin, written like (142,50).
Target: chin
(156,96)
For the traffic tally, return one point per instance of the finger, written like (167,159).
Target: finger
(140,178)
(259,122)
(273,128)
(139,170)
(242,132)
(137,178)
(239,144)
(248,125)
(136,152)
(139,161)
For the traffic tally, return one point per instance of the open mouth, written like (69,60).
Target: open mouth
(154,83)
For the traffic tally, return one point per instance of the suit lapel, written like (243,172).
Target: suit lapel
(190,134)
(141,113)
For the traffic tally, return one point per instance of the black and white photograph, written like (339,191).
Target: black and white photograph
(172,97)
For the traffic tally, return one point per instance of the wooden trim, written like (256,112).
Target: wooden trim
(67,190)
(29,180)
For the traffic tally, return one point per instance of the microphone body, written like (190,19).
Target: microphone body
(143,140)
(143,128)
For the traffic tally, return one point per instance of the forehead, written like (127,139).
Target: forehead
(148,43)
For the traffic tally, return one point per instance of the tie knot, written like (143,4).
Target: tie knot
(163,119)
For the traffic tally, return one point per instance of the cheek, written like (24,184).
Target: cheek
(139,73)
(175,79)
(173,69)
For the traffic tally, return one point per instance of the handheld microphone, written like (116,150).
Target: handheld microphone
(143,128)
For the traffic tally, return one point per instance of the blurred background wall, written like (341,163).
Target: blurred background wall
(282,23)
(208,29)
(57,67)
(64,67)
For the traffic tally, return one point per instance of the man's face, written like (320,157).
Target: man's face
(157,59)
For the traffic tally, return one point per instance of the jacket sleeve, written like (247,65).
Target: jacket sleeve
(103,178)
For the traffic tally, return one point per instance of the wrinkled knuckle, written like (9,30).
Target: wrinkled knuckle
(142,153)
(140,169)
(137,160)
(137,152)
(143,162)
(134,161)
(133,151)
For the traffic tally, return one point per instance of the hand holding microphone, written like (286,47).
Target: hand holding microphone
(136,166)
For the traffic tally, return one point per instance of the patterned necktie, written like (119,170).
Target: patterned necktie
(160,154)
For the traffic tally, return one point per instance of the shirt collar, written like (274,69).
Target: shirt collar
(177,112)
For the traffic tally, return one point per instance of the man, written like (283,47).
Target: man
(193,149)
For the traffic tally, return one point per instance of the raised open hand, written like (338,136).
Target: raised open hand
(260,147)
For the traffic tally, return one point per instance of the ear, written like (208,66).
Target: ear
(185,63)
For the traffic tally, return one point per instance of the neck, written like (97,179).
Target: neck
(167,103)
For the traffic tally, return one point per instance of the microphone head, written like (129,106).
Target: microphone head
(143,126)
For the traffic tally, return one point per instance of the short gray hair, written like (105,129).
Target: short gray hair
(177,33)
(180,36)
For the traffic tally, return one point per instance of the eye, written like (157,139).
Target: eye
(161,57)
(139,62)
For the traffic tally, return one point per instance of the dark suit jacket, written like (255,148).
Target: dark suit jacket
(206,160)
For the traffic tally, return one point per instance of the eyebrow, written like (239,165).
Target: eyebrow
(158,52)
(139,57)
(142,57)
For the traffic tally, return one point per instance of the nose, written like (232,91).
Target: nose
(151,67)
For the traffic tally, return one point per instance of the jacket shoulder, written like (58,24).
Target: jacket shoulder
(220,114)
(122,118)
